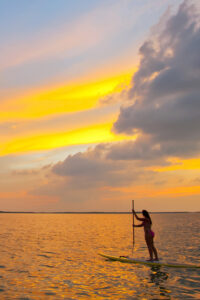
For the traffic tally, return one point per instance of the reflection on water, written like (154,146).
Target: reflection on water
(158,277)
(56,257)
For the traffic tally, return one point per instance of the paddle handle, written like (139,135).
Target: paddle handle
(133,224)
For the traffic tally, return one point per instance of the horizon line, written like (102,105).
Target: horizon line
(92,212)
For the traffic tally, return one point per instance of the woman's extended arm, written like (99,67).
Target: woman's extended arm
(140,225)
(139,219)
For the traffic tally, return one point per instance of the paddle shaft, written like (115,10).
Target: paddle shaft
(133,225)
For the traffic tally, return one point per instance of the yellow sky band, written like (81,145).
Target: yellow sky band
(87,135)
(66,99)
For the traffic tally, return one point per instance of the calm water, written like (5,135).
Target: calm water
(55,257)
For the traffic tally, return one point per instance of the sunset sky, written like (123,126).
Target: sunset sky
(100,104)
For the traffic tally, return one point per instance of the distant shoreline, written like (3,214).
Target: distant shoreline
(94,212)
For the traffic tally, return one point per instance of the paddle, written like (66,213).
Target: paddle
(133,226)
(122,256)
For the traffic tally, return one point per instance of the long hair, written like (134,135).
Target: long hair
(146,215)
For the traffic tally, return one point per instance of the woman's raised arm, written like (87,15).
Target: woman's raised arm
(139,219)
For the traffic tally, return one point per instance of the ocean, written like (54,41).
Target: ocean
(55,256)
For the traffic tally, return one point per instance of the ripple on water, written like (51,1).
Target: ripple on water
(47,266)
(44,255)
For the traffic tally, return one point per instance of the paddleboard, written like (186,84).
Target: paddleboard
(149,263)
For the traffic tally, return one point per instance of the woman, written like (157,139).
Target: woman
(149,234)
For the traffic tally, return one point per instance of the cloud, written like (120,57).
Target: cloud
(93,169)
(140,151)
(165,92)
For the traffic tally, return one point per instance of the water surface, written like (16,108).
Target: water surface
(54,256)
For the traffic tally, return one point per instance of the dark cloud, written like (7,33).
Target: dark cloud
(166,88)
(140,150)
(95,168)
(82,164)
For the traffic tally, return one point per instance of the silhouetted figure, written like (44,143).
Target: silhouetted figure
(149,234)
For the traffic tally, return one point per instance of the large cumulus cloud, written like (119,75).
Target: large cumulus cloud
(163,110)
(165,93)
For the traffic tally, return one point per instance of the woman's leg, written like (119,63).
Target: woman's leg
(149,246)
(155,252)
